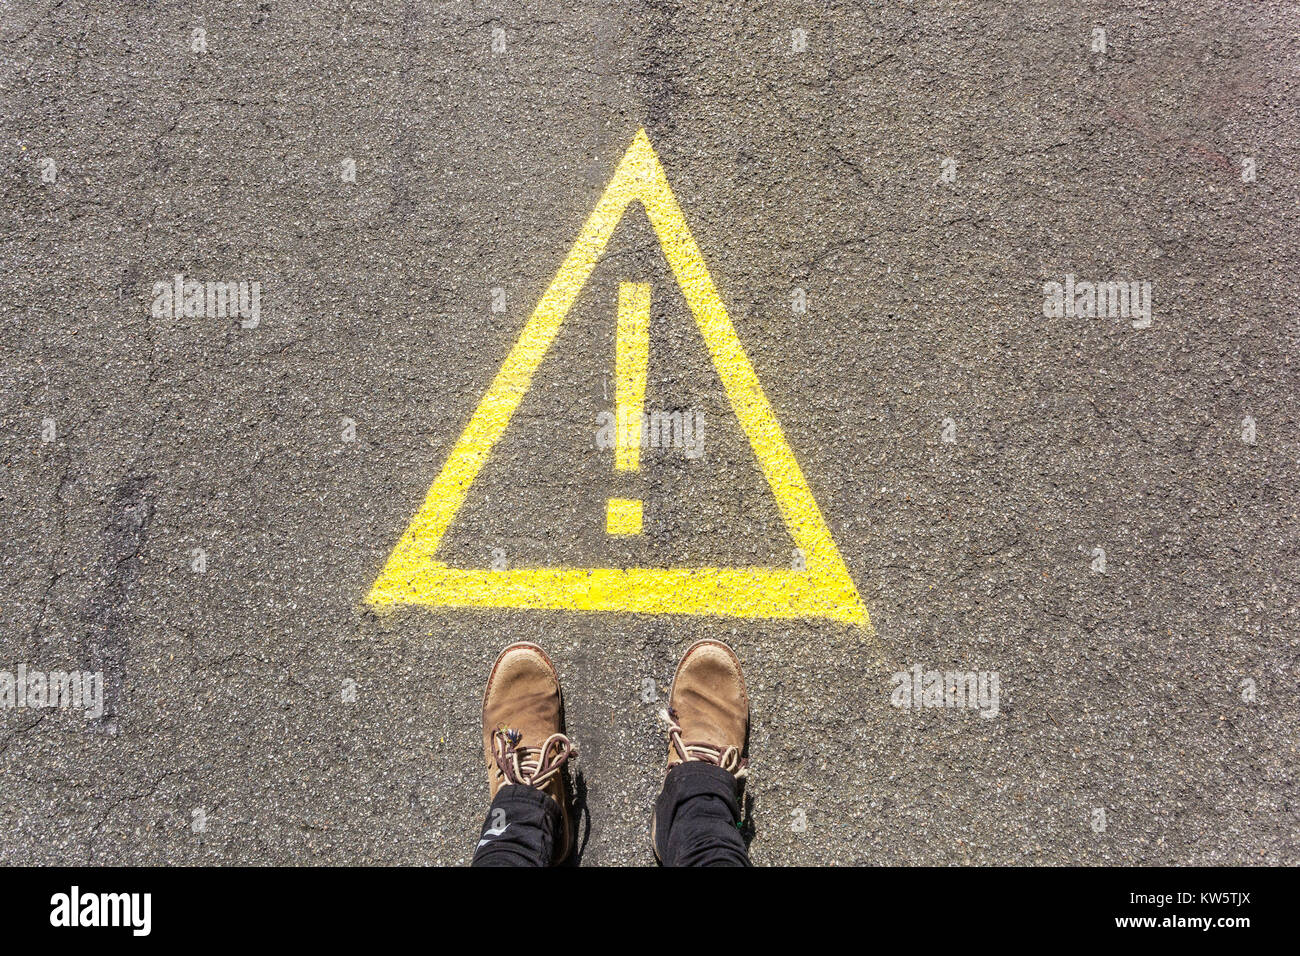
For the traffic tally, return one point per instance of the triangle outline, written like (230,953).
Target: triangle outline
(412,573)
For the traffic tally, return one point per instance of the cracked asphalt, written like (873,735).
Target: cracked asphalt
(917,172)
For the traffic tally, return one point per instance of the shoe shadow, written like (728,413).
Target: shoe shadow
(748,829)
(582,817)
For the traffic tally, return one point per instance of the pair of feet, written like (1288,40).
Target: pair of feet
(523,721)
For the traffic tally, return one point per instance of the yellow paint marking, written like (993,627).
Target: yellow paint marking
(631,357)
(414,575)
(623,516)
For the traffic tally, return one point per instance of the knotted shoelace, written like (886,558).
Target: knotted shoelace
(728,758)
(530,766)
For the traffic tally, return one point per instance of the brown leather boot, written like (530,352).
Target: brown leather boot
(523,730)
(708,711)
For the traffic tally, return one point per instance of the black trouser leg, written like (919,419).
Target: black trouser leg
(697,818)
(520,830)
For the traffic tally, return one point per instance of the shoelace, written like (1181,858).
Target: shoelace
(728,758)
(530,766)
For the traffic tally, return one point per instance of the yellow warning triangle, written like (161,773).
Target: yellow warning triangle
(822,589)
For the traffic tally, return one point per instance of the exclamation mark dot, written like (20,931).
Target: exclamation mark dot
(631,356)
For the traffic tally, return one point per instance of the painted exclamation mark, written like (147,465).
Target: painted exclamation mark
(631,356)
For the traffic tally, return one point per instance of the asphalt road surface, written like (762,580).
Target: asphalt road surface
(1098,510)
